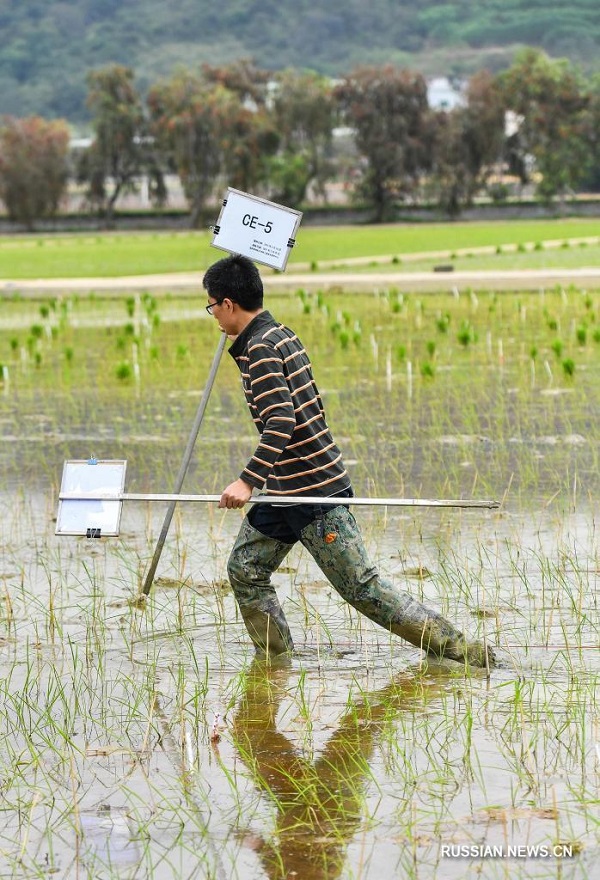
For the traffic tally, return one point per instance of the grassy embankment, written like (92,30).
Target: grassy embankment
(113,255)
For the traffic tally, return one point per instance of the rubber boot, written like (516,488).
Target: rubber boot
(336,544)
(253,559)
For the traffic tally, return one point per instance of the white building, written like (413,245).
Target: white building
(442,95)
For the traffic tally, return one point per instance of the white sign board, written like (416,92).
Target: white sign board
(92,517)
(256,228)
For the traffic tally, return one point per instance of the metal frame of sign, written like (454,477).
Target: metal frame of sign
(256,228)
(96,517)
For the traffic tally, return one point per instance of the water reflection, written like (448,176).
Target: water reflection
(319,804)
(108,838)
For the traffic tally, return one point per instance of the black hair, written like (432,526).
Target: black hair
(235,278)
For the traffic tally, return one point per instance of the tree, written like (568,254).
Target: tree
(248,82)
(210,133)
(304,112)
(388,110)
(469,143)
(550,104)
(248,137)
(33,167)
(185,124)
(121,151)
(591,178)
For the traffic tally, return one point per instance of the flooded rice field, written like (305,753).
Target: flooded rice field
(148,742)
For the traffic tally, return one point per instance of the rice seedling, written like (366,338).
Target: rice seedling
(147,743)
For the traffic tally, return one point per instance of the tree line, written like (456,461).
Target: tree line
(278,135)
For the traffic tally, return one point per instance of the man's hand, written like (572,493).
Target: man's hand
(236,495)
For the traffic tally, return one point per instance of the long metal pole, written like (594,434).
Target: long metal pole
(288,500)
(187,455)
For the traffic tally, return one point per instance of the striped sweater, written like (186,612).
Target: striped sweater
(296,453)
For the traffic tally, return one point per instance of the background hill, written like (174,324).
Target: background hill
(49,45)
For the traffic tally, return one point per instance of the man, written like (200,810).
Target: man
(296,455)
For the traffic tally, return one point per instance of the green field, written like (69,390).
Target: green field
(117,254)
(147,743)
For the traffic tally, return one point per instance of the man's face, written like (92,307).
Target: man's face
(223,311)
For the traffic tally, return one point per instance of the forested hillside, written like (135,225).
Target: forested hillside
(49,45)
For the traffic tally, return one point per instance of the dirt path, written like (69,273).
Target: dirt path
(191,282)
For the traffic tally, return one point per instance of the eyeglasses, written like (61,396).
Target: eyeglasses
(209,308)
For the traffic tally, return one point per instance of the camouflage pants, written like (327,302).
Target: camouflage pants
(338,549)
(253,560)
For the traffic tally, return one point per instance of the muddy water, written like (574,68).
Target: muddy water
(149,743)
